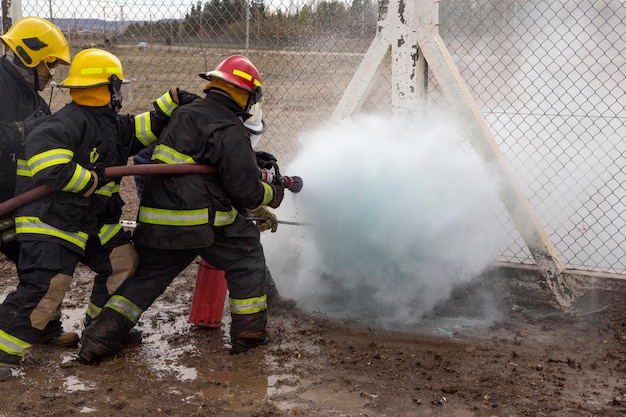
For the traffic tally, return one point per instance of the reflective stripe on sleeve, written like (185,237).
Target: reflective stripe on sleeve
(49,158)
(108,189)
(268,193)
(79,180)
(143,129)
(170,155)
(23,170)
(166,104)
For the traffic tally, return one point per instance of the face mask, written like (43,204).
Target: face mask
(255,124)
(44,73)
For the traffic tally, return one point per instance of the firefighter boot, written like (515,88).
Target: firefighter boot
(275,301)
(134,336)
(7,364)
(248,331)
(54,335)
(6,371)
(103,337)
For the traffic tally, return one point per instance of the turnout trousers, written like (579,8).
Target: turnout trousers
(45,271)
(236,249)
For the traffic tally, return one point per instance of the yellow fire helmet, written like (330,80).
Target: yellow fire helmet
(34,39)
(93,67)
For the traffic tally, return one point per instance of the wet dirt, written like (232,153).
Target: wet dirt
(534,360)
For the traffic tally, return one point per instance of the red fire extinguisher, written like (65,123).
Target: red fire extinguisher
(209,295)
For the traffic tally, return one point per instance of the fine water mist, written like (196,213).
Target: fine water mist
(400,214)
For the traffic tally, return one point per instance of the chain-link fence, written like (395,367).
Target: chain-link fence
(549,77)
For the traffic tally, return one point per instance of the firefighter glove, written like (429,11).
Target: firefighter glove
(25,126)
(270,223)
(279,193)
(265,160)
(98,169)
(181,97)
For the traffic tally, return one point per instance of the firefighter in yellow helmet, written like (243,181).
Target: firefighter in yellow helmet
(80,222)
(33,49)
(185,216)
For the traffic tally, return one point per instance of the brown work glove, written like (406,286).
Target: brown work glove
(270,223)
(181,97)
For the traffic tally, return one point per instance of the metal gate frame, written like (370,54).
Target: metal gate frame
(408,34)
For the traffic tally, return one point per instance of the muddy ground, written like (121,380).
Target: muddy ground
(535,360)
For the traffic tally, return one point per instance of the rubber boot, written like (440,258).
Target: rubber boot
(6,371)
(134,336)
(248,331)
(275,301)
(103,337)
(54,335)
(7,364)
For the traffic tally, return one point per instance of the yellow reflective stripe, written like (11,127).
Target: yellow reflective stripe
(93,310)
(170,155)
(79,180)
(224,218)
(167,104)
(246,76)
(248,305)
(143,129)
(23,170)
(108,189)
(100,70)
(32,225)
(125,307)
(173,217)
(12,345)
(49,158)
(107,232)
(268,193)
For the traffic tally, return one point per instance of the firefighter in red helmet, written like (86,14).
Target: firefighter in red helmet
(181,217)
(68,152)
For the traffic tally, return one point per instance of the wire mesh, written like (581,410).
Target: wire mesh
(548,76)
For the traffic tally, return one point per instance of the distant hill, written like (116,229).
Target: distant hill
(95,25)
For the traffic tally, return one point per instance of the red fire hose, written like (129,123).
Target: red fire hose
(110,172)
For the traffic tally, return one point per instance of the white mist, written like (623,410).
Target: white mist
(400,214)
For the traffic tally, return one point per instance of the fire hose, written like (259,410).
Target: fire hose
(293,184)
(110,172)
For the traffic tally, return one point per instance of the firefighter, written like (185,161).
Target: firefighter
(34,48)
(256,127)
(184,216)
(69,152)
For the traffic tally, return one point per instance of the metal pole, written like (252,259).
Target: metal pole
(247,24)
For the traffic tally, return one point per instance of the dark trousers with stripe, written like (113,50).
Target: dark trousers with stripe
(236,250)
(45,269)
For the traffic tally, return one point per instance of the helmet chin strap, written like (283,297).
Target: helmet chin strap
(35,78)
(115,87)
